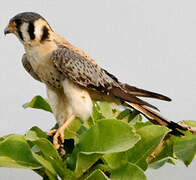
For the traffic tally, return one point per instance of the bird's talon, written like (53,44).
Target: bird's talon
(58,138)
(51,132)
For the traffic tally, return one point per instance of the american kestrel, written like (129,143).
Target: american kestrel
(72,78)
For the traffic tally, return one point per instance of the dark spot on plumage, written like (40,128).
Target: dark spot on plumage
(69,69)
(82,79)
(45,34)
(31,29)
(95,70)
(83,97)
(78,78)
(89,78)
(48,82)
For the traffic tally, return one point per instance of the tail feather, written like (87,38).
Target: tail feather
(128,94)
(156,118)
(144,93)
(123,95)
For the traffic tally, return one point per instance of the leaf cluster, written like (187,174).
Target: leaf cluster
(113,144)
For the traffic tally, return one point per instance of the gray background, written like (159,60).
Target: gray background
(150,44)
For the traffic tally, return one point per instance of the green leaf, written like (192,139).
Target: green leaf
(151,137)
(108,136)
(115,160)
(134,117)
(190,123)
(128,172)
(161,162)
(84,162)
(71,131)
(185,148)
(47,148)
(107,109)
(16,153)
(124,115)
(139,125)
(96,112)
(38,137)
(50,176)
(45,163)
(38,103)
(50,157)
(97,174)
(35,133)
(163,154)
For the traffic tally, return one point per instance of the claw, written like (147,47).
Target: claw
(58,138)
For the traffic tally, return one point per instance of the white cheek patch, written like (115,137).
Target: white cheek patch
(38,31)
(24,31)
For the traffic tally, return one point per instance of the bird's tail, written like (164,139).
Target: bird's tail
(143,93)
(156,118)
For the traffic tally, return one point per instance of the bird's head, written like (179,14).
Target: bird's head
(30,28)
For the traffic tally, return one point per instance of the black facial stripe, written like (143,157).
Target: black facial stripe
(18,25)
(31,29)
(20,35)
(45,34)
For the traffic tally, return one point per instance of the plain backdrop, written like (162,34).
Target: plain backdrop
(147,43)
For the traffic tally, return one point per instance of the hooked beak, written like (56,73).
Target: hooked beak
(8,30)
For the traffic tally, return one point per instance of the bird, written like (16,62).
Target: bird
(73,79)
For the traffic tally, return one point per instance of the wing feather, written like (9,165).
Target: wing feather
(82,71)
(89,75)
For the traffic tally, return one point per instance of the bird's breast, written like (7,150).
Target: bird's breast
(44,68)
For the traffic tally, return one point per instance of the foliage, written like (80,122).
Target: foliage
(113,144)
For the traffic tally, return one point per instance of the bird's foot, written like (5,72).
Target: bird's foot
(58,138)
(51,132)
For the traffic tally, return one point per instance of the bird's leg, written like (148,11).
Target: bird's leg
(58,138)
